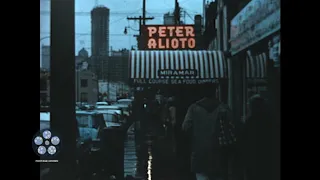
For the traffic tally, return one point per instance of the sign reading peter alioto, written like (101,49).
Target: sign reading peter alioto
(169,37)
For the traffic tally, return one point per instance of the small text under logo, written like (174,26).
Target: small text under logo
(46,161)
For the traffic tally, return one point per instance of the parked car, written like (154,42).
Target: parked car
(111,118)
(115,109)
(83,147)
(102,103)
(124,103)
(91,124)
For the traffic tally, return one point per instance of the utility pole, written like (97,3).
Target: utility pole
(144,12)
(184,16)
(177,13)
(142,21)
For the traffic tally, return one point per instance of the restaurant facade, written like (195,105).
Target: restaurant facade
(255,51)
(172,60)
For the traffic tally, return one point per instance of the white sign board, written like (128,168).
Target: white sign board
(257,20)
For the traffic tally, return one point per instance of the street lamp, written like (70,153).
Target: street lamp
(126,29)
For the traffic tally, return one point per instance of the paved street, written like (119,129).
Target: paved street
(131,162)
(149,159)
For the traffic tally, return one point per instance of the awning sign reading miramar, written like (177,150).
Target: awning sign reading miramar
(176,67)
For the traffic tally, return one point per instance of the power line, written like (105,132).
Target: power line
(89,34)
(87,13)
(164,2)
(133,28)
(117,20)
(184,1)
(189,15)
(111,13)
(192,11)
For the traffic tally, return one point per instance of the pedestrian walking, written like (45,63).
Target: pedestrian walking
(156,119)
(255,140)
(211,124)
(172,122)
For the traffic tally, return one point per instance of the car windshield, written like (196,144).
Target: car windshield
(83,120)
(124,102)
(107,108)
(98,121)
(110,117)
(102,104)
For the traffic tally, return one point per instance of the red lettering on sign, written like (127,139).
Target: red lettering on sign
(170,37)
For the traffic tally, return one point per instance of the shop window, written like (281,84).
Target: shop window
(43,98)
(84,97)
(43,84)
(84,83)
(255,87)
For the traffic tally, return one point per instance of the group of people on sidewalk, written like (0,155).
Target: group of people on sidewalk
(216,137)
(217,143)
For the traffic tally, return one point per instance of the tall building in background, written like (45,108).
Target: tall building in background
(118,66)
(45,57)
(100,31)
(100,39)
(168,19)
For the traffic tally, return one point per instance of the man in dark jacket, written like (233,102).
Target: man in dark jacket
(202,118)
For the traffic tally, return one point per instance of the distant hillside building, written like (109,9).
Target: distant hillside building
(82,59)
(168,19)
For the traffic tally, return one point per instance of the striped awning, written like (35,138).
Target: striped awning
(256,66)
(172,67)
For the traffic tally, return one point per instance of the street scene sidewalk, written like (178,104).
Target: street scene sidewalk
(149,157)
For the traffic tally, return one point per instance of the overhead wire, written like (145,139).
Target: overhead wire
(124,17)
(190,10)
(89,34)
(164,2)
(111,13)
(189,16)
(185,1)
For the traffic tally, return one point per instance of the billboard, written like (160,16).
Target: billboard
(169,37)
(257,20)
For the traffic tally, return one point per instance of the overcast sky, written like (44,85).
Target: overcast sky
(119,10)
